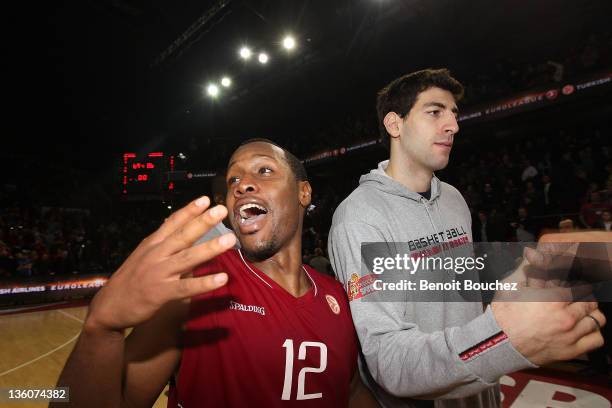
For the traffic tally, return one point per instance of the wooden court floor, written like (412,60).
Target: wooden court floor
(34,347)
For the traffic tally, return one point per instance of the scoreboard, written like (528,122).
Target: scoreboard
(146,173)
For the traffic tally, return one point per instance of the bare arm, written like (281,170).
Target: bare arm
(149,292)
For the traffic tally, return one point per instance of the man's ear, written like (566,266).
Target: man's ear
(392,122)
(305,193)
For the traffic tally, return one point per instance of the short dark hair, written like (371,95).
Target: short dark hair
(400,95)
(297,167)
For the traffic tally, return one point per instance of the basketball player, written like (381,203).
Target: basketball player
(426,354)
(270,331)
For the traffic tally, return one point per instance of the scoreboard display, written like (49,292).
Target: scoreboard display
(146,173)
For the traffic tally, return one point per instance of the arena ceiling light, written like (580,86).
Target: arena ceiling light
(263,57)
(245,53)
(212,90)
(289,43)
(226,81)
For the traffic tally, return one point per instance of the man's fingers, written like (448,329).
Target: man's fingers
(581,236)
(588,324)
(187,259)
(579,310)
(535,257)
(185,236)
(180,218)
(591,341)
(543,264)
(189,287)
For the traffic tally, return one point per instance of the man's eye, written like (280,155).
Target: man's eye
(434,112)
(265,170)
(232,180)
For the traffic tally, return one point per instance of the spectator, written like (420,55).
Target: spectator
(529,171)
(605,221)
(320,262)
(550,193)
(524,226)
(591,212)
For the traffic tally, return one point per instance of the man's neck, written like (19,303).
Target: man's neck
(413,177)
(285,268)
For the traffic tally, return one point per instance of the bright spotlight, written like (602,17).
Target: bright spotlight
(289,43)
(263,57)
(225,81)
(245,53)
(212,90)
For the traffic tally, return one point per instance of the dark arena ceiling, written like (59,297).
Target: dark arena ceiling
(104,76)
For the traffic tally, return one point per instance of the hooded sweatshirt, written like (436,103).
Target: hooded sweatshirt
(415,353)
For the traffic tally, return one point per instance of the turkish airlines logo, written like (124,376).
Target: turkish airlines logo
(552,94)
(568,89)
(333,304)
(247,308)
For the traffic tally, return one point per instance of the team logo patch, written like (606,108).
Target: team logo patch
(358,287)
(333,304)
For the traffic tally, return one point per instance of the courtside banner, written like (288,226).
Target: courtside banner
(437,269)
(541,97)
(554,388)
(47,289)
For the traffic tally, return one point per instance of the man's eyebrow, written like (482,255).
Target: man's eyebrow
(255,155)
(454,109)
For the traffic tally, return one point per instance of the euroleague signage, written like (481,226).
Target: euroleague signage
(93,283)
(536,98)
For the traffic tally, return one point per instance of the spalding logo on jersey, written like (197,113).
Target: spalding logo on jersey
(333,304)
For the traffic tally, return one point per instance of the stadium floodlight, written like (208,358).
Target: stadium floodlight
(263,57)
(226,81)
(245,53)
(289,43)
(212,90)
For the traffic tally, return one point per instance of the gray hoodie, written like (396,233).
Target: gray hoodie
(411,350)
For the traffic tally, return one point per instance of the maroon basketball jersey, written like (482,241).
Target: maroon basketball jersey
(252,344)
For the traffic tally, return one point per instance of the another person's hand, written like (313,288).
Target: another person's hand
(544,332)
(155,273)
(553,328)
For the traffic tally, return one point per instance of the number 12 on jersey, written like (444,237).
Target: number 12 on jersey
(288,345)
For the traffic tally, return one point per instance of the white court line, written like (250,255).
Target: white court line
(48,352)
(70,316)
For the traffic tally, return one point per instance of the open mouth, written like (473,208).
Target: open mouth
(249,216)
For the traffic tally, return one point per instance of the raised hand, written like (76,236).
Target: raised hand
(155,273)
(552,328)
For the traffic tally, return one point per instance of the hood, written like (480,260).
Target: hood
(380,180)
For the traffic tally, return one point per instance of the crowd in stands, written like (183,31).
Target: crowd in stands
(64,241)
(515,190)
(504,77)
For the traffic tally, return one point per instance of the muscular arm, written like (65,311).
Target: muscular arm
(150,291)
(126,372)
(149,364)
